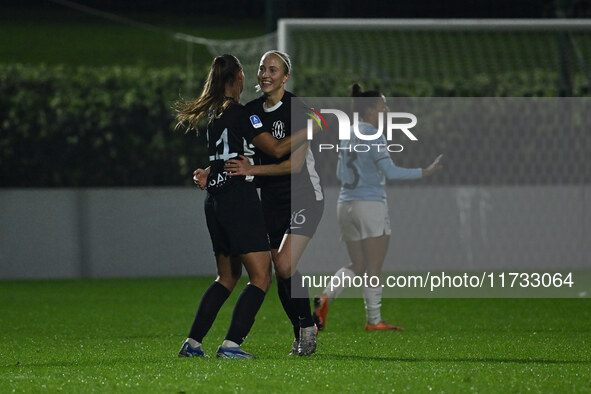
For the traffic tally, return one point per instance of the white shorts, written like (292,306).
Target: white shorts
(363,219)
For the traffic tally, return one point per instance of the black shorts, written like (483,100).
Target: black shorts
(305,217)
(235,221)
(277,213)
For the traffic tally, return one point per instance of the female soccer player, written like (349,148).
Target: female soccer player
(232,207)
(291,223)
(362,209)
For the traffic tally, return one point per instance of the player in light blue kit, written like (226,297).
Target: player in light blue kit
(362,208)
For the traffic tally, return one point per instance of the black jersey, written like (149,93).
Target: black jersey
(228,137)
(279,122)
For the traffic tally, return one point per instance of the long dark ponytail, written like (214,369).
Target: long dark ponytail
(211,103)
(361,106)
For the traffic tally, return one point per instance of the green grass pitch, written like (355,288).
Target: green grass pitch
(124,335)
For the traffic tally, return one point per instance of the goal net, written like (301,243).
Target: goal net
(431,57)
(248,50)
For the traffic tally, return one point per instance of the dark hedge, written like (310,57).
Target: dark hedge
(92,127)
(114,126)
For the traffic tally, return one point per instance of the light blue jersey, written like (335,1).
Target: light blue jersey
(363,174)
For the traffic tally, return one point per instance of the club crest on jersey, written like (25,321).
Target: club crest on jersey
(278,130)
(256,122)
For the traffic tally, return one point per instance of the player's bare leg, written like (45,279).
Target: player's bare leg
(229,271)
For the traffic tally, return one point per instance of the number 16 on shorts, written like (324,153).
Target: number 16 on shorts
(298,218)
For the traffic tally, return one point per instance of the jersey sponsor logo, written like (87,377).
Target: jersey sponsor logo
(217,181)
(255,121)
(278,130)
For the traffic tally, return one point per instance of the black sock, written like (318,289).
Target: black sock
(248,304)
(300,299)
(211,302)
(288,307)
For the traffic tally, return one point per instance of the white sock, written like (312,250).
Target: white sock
(226,344)
(332,292)
(373,304)
(193,343)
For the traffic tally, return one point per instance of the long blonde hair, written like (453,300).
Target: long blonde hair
(211,103)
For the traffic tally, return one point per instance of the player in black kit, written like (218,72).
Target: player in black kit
(291,194)
(232,207)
